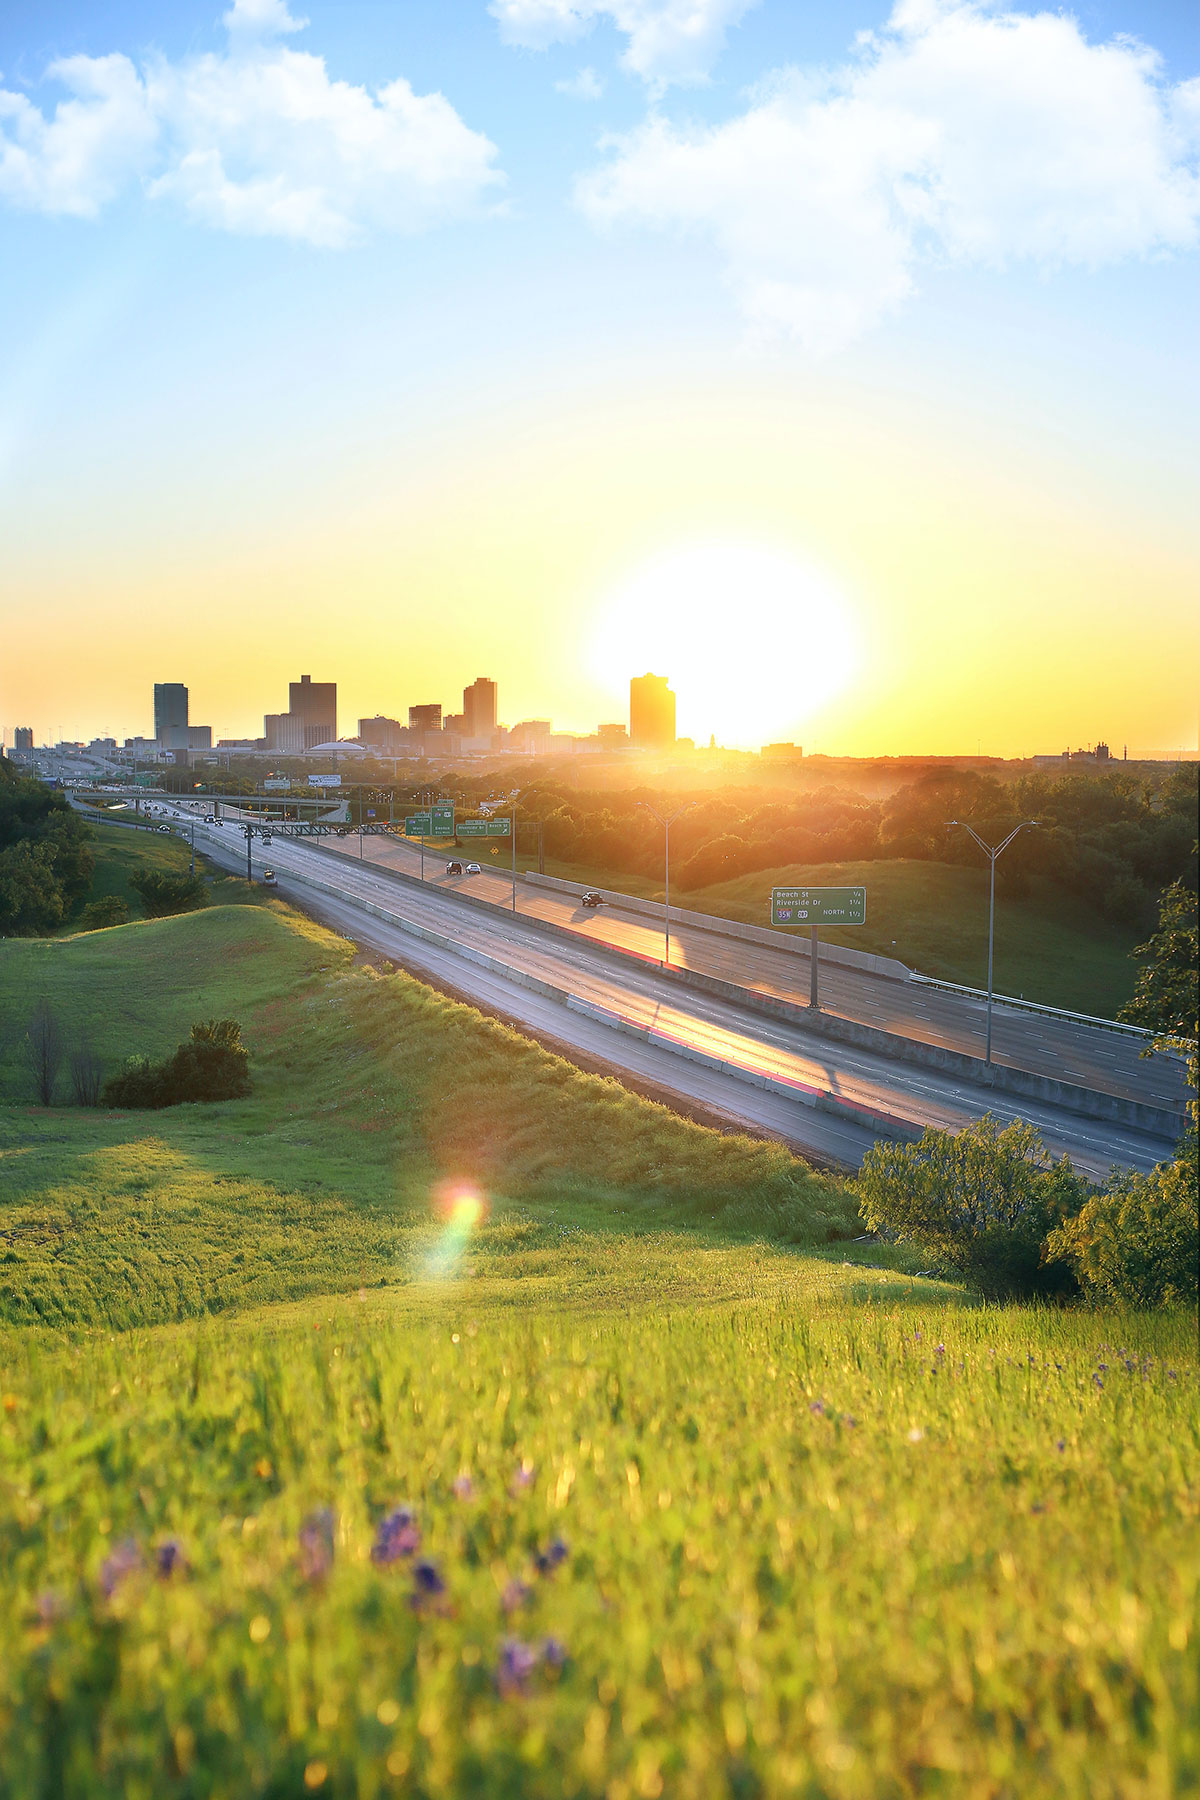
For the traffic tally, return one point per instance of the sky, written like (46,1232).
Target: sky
(839,361)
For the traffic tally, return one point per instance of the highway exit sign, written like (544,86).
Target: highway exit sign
(443,820)
(484,827)
(819,906)
(419,825)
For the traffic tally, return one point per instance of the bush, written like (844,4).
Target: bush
(1138,1243)
(164,895)
(980,1203)
(110,909)
(212,1065)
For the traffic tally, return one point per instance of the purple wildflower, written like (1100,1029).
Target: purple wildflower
(1061,1444)
(849,1419)
(396,1536)
(554,1653)
(123,1560)
(316,1544)
(816,1406)
(556,1552)
(169,1558)
(516,1594)
(462,1487)
(428,1580)
(939,1349)
(516,1664)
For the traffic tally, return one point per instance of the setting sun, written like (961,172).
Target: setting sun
(755,641)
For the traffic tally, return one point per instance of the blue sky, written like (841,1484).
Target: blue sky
(446,384)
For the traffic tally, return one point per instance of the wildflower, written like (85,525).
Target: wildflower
(849,1420)
(50,1607)
(554,1653)
(1061,1444)
(939,1350)
(428,1579)
(125,1559)
(816,1406)
(1103,1368)
(462,1487)
(396,1536)
(316,1544)
(556,1552)
(516,1594)
(1099,1380)
(524,1475)
(516,1664)
(169,1558)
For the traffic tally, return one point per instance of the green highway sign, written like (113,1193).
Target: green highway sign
(819,906)
(484,828)
(419,825)
(443,819)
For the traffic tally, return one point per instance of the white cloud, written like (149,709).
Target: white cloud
(586,85)
(87,150)
(258,140)
(960,132)
(667,40)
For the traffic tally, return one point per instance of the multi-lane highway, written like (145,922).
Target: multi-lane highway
(830,1098)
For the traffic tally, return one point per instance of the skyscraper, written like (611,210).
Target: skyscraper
(24,738)
(479,708)
(651,712)
(171,714)
(313,705)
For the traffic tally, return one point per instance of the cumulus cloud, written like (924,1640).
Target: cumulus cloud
(586,85)
(960,132)
(667,40)
(258,139)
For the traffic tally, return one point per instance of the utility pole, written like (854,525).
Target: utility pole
(993,852)
(666,821)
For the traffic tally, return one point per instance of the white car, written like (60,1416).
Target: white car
(473,869)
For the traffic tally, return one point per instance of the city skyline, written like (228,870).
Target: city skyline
(604,349)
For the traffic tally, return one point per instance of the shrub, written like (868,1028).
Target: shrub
(981,1203)
(110,909)
(212,1065)
(1138,1243)
(163,895)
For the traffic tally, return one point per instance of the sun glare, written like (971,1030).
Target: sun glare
(459,1208)
(755,641)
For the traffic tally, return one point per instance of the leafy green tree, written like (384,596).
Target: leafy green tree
(1137,1243)
(980,1202)
(212,1065)
(46,861)
(110,909)
(1167,997)
(163,895)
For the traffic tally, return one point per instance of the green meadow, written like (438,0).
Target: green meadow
(443,1421)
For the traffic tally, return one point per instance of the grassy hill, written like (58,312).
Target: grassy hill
(567,1460)
(372,1095)
(933,916)
(120,852)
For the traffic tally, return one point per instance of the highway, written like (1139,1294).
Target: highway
(824,1094)
(1110,1061)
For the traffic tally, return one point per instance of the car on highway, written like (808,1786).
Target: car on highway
(270,879)
(454,868)
(473,869)
(165,828)
(591,898)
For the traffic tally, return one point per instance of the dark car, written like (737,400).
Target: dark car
(592,898)
(454,868)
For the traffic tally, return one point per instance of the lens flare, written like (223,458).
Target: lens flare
(460,1208)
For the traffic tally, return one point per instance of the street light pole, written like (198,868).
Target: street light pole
(993,852)
(666,820)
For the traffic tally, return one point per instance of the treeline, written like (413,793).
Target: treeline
(1116,839)
(46,861)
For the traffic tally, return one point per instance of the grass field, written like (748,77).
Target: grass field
(120,852)
(933,916)
(696,1500)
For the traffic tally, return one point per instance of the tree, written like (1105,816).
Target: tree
(981,1202)
(162,895)
(44,1050)
(1167,997)
(86,1072)
(212,1065)
(46,862)
(1137,1243)
(110,909)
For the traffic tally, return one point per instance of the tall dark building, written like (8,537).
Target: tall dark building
(313,706)
(171,714)
(479,708)
(24,738)
(651,712)
(425,718)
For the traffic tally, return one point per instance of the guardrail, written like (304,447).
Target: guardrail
(1033,1006)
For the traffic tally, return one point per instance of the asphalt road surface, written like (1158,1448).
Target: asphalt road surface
(638,998)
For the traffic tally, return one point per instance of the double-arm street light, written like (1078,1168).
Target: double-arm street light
(666,820)
(993,852)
